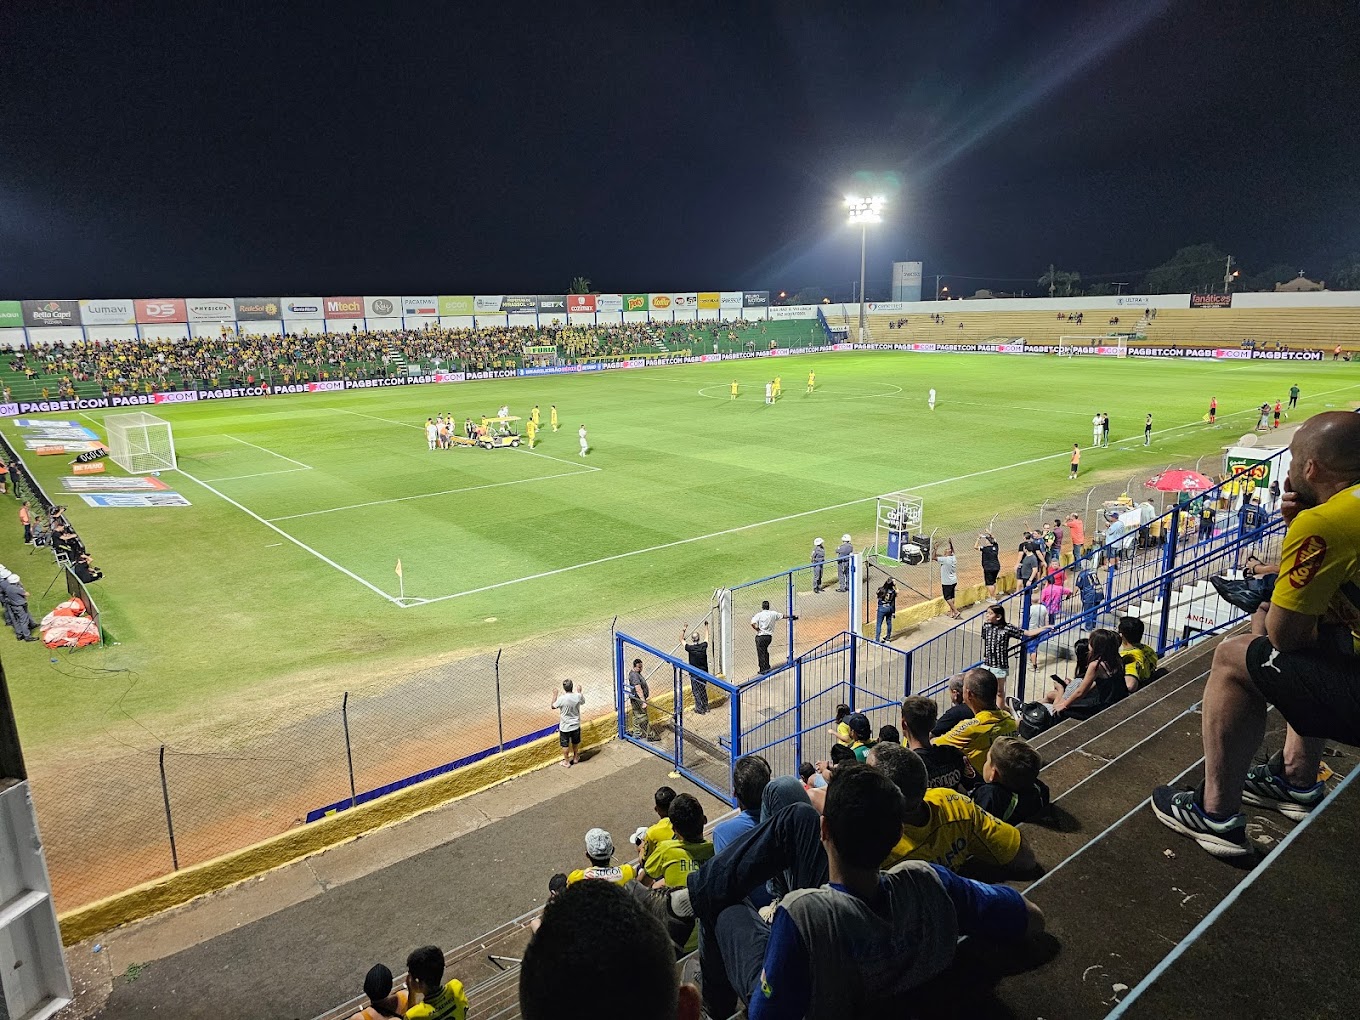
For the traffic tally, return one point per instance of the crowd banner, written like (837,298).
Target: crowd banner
(210,309)
(303,308)
(427,306)
(552,304)
(581,304)
(56,312)
(347,307)
(608,302)
(455,304)
(755,299)
(635,302)
(108,312)
(11,315)
(708,300)
(154,310)
(660,302)
(1210,300)
(382,307)
(256,309)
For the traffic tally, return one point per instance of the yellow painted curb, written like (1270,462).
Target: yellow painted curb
(923,612)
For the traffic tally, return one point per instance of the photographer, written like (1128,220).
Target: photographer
(86,571)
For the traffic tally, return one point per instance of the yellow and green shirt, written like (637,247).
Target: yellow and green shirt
(1320,563)
(956,831)
(449,1003)
(974,736)
(1139,662)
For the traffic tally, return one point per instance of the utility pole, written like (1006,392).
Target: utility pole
(1121,287)
(937,286)
(1227,275)
(1052,279)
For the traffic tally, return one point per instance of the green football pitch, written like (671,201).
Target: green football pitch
(280,579)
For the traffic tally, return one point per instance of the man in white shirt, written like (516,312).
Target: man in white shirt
(763,624)
(769,392)
(931,399)
(1097,428)
(431,432)
(568,705)
(585,445)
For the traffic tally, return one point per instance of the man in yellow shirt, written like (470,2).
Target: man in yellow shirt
(945,827)
(733,388)
(1303,656)
(661,829)
(812,381)
(778,388)
(600,853)
(531,430)
(552,416)
(433,999)
(673,860)
(974,736)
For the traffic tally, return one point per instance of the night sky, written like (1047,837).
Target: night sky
(195,149)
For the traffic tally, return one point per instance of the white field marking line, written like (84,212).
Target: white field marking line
(261,474)
(424,495)
(1010,407)
(271,453)
(897,390)
(283,534)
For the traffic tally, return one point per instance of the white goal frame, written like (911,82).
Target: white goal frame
(140,442)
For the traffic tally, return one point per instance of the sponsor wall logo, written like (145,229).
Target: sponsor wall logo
(118,312)
(635,302)
(755,299)
(113,484)
(331,386)
(686,300)
(486,303)
(581,303)
(553,304)
(257,309)
(1132,301)
(162,310)
(455,304)
(351,307)
(210,309)
(793,312)
(134,500)
(519,302)
(661,302)
(608,302)
(51,313)
(11,315)
(303,308)
(382,307)
(709,299)
(729,299)
(1210,300)
(1232,354)
(176,397)
(1286,355)
(420,306)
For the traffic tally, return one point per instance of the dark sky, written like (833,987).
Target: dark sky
(154,149)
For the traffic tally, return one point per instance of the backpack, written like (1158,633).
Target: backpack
(1034,719)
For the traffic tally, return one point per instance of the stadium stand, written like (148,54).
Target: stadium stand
(1228,327)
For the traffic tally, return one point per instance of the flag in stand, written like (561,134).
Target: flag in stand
(399,574)
(401,580)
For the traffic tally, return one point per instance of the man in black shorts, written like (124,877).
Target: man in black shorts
(991,562)
(1303,656)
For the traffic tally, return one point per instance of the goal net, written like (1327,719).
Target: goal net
(140,442)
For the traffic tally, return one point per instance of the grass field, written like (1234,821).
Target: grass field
(283,569)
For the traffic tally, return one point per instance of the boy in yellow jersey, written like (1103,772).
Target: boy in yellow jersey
(974,736)
(812,381)
(531,430)
(661,829)
(778,388)
(552,416)
(674,859)
(733,388)
(943,826)
(600,853)
(433,999)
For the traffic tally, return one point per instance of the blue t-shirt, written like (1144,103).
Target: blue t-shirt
(732,830)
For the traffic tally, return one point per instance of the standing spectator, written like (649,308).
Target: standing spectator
(1076,461)
(1076,528)
(1104,428)
(1028,566)
(945,766)
(991,562)
(15,601)
(1052,596)
(841,731)
(1055,548)
(997,635)
(887,608)
(1208,519)
(1096,424)
(1088,587)
(843,553)
(568,704)
(763,624)
(957,711)
(26,519)
(638,693)
(974,736)
(600,854)
(818,559)
(949,579)
(433,999)
(1252,517)
(1293,401)
(1147,430)
(750,776)
(382,1001)
(697,651)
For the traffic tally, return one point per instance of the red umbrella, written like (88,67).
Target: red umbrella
(1179,481)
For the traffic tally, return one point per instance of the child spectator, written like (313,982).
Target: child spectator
(557,885)
(841,731)
(811,778)
(861,734)
(946,767)
(890,734)
(433,999)
(1012,790)
(382,1001)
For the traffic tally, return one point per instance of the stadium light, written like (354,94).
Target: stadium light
(862,212)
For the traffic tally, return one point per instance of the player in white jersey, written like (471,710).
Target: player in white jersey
(1097,429)
(585,444)
(931,398)
(431,432)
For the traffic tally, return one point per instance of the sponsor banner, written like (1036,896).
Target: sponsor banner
(332,386)
(109,312)
(1132,301)
(60,433)
(162,310)
(11,315)
(549,370)
(51,313)
(134,500)
(540,349)
(608,302)
(48,448)
(175,397)
(455,304)
(210,309)
(552,304)
(635,302)
(256,309)
(885,306)
(483,303)
(346,307)
(1210,300)
(445,377)
(580,304)
(1240,468)
(690,300)
(382,307)
(793,312)
(661,302)
(755,299)
(143,484)
(303,308)
(86,467)
(710,357)
(38,423)
(729,299)
(1287,355)
(519,302)
(1232,354)
(89,456)
(491,373)
(420,305)
(709,299)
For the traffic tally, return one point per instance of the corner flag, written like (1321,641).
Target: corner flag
(399,574)
(401,581)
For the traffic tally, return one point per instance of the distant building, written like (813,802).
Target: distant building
(1299,285)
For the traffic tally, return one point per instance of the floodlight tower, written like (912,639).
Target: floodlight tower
(864,211)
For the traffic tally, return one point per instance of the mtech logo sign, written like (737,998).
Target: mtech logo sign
(162,310)
(344,307)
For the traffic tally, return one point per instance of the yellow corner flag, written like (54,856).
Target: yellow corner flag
(399,573)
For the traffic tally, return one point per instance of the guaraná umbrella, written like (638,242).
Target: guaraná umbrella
(1180,481)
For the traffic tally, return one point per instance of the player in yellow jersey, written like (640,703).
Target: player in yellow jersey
(812,381)
(531,429)
(534,416)
(552,416)
(778,388)
(733,388)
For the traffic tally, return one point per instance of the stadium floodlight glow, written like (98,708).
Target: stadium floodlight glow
(864,211)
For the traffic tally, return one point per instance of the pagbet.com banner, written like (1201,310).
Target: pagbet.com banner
(661,302)
(382,307)
(709,299)
(256,309)
(153,310)
(455,304)
(635,302)
(303,308)
(581,304)
(344,307)
(59,312)
(755,299)
(1210,300)
(608,302)
(210,309)
(420,305)
(114,312)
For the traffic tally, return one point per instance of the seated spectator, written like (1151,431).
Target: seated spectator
(889,733)
(600,853)
(848,948)
(812,780)
(86,571)
(944,827)
(382,1001)
(432,999)
(557,885)
(661,828)
(1140,661)
(1011,789)
(674,858)
(1100,686)
(750,776)
(861,735)
(956,713)
(628,971)
(974,736)
(840,755)
(946,767)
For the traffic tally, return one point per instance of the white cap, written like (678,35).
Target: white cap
(818,541)
(13,578)
(845,538)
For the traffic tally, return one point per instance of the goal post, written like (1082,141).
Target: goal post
(140,442)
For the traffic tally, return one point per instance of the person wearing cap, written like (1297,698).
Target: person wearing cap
(600,853)
(991,562)
(763,624)
(843,553)
(818,559)
(382,1000)
(861,735)
(15,601)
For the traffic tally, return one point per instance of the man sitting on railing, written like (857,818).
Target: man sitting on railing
(1306,662)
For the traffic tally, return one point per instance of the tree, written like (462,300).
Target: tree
(580,285)
(1101,289)
(1197,269)
(1059,282)
(1346,274)
(1266,280)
